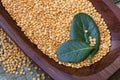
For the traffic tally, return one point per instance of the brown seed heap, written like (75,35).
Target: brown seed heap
(13,59)
(47,24)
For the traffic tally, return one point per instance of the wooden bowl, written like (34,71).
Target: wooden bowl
(101,70)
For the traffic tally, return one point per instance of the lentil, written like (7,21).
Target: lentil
(31,73)
(38,75)
(34,79)
(36,67)
(47,24)
(38,78)
(86,31)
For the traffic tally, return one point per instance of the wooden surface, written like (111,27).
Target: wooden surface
(101,70)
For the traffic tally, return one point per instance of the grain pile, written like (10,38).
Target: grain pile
(15,61)
(47,24)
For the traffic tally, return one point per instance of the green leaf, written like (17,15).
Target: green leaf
(80,23)
(73,51)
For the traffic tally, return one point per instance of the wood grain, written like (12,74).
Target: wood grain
(101,70)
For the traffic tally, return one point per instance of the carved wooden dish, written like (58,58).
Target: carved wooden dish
(101,70)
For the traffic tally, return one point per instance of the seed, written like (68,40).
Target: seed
(31,73)
(34,79)
(90,37)
(38,75)
(36,67)
(86,31)
(94,39)
(23,73)
(16,73)
(29,69)
(38,78)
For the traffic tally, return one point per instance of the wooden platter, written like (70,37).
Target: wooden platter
(101,70)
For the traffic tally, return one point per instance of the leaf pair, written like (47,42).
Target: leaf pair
(78,47)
